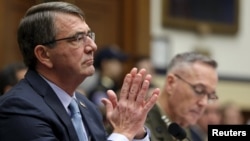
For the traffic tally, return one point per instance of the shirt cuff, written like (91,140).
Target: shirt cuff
(117,137)
(120,137)
(146,138)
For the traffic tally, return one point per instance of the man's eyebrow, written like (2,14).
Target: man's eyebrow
(206,88)
(82,32)
(78,33)
(200,84)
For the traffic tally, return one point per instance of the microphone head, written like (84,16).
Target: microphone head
(176,131)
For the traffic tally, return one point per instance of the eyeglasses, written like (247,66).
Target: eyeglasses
(78,38)
(200,90)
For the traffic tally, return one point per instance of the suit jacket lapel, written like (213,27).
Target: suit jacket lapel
(93,126)
(58,108)
(53,101)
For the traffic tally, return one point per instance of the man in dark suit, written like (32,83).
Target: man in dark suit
(58,46)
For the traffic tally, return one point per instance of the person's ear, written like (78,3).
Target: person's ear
(170,83)
(43,55)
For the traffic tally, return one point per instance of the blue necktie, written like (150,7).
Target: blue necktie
(77,120)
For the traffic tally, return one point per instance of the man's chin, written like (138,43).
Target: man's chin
(90,71)
(193,121)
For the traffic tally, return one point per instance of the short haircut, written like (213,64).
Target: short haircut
(190,58)
(38,26)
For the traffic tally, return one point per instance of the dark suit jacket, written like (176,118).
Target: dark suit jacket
(31,111)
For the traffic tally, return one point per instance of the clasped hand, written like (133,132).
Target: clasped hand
(127,114)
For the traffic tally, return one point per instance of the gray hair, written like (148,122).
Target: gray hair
(38,27)
(190,58)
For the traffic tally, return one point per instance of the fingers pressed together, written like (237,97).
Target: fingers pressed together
(128,113)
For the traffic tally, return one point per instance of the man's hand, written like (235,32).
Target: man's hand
(128,114)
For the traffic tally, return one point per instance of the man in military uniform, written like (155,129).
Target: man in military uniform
(189,87)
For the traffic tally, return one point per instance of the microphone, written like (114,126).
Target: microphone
(174,129)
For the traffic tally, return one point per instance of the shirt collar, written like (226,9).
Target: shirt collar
(61,94)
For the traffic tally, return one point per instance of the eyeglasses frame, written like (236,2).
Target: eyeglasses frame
(89,34)
(210,99)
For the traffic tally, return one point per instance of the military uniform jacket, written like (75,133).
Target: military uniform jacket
(157,126)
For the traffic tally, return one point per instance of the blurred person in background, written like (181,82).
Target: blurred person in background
(211,116)
(231,114)
(190,85)
(108,61)
(146,63)
(10,75)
